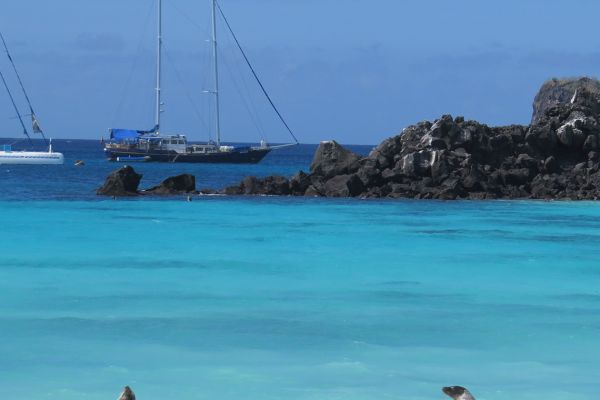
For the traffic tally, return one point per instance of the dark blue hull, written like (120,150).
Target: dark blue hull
(246,156)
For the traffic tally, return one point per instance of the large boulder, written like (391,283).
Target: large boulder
(184,183)
(251,185)
(122,182)
(332,159)
(300,183)
(556,92)
(276,185)
(384,153)
(344,186)
(416,164)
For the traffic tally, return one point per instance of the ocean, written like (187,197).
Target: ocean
(69,182)
(270,298)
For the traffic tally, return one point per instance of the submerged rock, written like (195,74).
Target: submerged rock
(122,182)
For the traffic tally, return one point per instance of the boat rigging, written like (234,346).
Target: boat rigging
(154,145)
(7,154)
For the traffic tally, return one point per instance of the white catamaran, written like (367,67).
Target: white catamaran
(151,145)
(10,156)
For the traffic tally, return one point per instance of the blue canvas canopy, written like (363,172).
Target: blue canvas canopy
(153,130)
(124,134)
(129,135)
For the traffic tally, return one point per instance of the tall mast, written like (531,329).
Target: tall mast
(158,69)
(216,72)
(12,100)
(35,124)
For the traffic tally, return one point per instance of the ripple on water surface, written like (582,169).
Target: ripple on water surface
(298,298)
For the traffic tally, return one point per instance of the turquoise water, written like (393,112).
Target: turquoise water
(299,299)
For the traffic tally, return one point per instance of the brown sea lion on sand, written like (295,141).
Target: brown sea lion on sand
(458,393)
(127,394)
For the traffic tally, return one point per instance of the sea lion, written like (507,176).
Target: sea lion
(127,394)
(458,393)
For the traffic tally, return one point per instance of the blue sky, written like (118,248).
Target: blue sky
(356,70)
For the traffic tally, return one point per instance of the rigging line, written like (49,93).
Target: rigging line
(201,28)
(245,101)
(33,119)
(248,103)
(133,67)
(181,82)
(12,99)
(254,73)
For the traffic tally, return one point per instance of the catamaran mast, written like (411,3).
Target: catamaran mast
(158,70)
(34,122)
(12,100)
(216,72)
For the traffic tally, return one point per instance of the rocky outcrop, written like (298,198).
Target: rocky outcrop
(332,159)
(125,182)
(122,182)
(179,184)
(556,157)
(560,91)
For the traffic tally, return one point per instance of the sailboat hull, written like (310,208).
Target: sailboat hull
(30,158)
(251,156)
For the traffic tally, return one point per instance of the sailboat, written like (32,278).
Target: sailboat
(10,156)
(152,145)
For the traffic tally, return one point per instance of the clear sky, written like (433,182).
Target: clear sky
(352,70)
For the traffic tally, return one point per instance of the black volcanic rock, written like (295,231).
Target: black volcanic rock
(332,159)
(271,185)
(344,186)
(122,182)
(179,184)
(557,92)
(557,157)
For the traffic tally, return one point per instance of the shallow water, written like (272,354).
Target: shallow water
(276,298)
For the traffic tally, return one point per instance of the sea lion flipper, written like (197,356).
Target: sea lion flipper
(127,394)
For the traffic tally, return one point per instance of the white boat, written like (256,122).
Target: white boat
(8,156)
(25,157)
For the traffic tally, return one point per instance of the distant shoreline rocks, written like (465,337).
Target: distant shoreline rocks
(125,182)
(556,157)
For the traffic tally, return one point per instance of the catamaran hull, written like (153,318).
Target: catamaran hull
(30,158)
(252,156)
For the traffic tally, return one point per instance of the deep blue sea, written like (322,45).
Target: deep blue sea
(289,298)
(69,182)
